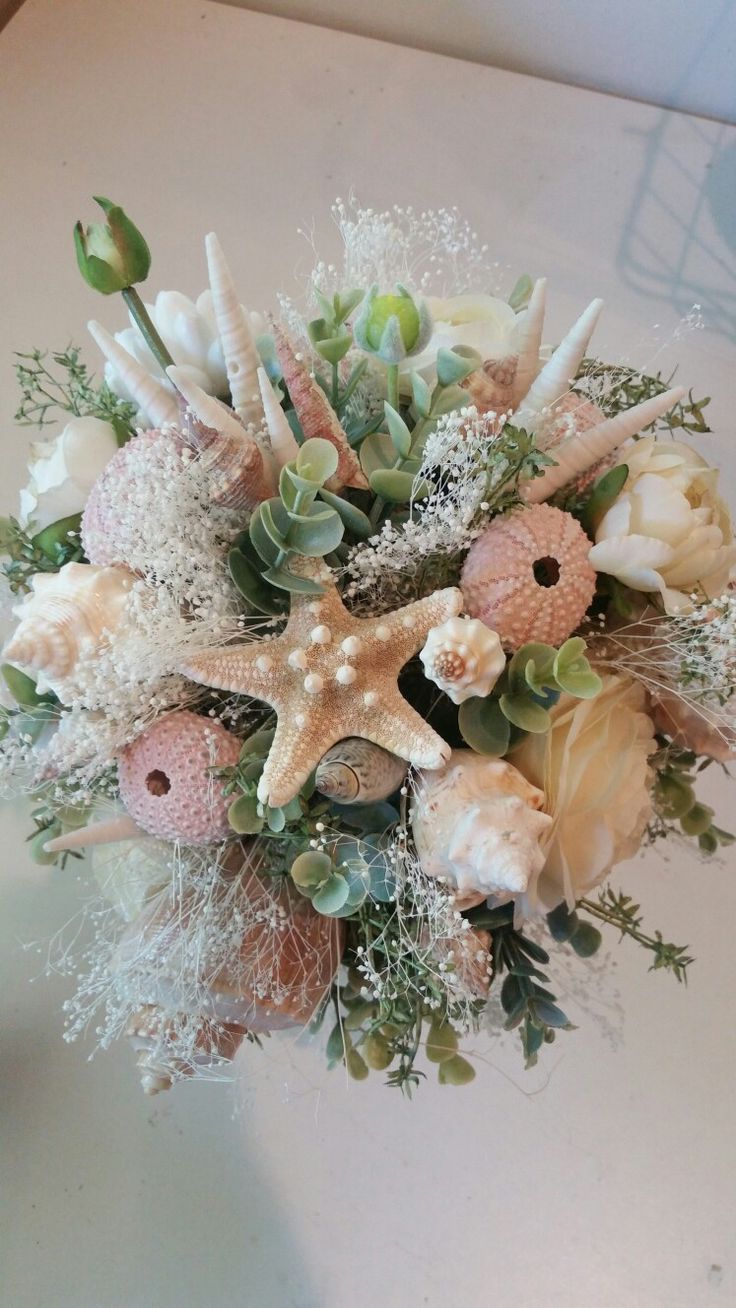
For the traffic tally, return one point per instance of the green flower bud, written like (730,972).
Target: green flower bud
(111,255)
(392,326)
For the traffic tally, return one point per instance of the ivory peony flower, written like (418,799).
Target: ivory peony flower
(63,471)
(667,532)
(483,322)
(189,333)
(593,768)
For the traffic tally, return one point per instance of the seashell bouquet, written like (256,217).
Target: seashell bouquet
(357,648)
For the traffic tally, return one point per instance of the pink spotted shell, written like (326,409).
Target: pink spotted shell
(166,783)
(528,576)
(113,498)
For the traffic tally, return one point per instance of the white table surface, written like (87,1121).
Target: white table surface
(605,1178)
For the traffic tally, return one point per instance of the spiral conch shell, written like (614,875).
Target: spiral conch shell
(464,658)
(195,1003)
(69,617)
(477,824)
(355,771)
(240,475)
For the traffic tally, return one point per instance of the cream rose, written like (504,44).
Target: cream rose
(667,532)
(593,767)
(483,322)
(64,470)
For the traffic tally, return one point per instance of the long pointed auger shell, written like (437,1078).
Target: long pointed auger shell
(580,453)
(151,396)
(236,337)
(108,832)
(530,341)
(554,380)
(240,476)
(316,416)
(283,442)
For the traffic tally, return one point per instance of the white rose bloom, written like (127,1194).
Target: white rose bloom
(483,322)
(667,532)
(64,470)
(188,331)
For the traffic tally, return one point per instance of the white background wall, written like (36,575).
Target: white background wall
(676,53)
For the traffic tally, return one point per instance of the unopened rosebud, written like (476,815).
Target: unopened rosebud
(111,255)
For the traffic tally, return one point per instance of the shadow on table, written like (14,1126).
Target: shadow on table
(679,243)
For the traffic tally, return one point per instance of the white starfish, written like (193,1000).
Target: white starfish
(330,675)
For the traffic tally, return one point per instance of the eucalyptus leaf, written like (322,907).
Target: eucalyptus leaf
(312,869)
(456,1071)
(334,348)
(396,486)
(317,460)
(354,520)
(244,817)
(452,367)
(275,521)
(260,539)
(295,585)
(376,452)
(445,399)
(331,896)
(251,585)
(398,431)
(275,819)
(368,817)
(484,727)
(318,535)
(525,713)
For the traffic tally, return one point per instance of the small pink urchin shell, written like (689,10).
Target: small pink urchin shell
(528,576)
(112,506)
(165,782)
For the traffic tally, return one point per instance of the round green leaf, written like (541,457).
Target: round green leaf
(525,713)
(441,1042)
(586,940)
(244,817)
(376,1052)
(312,869)
(377,451)
(456,1071)
(396,486)
(331,897)
(318,536)
(484,727)
(317,460)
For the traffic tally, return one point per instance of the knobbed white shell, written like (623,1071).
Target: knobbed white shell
(464,658)
(355,771)
(477,823)
(68,618)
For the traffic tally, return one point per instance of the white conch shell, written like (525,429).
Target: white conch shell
(109,831)
(579,453)
(158,403)
(284,957)
(240,477)
(477,824)
(464,658)
(530,341)
(236,336)
(283,442)
(355,771)
(559,371)
(69,617)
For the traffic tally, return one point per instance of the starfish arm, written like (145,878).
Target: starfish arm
(294,754)
(229,668)
(400,729)
(411,624)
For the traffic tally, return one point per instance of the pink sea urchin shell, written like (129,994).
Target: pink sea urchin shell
(165,782)
(528,576)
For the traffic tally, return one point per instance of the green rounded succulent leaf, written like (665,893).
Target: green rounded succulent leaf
(525,713)
(319,534)
(586,940)
(484,727)
(454,367)
(317,460)
(312,869)
(332,896)
(244,817)
(441,1042)
(396,486)
(456,1071)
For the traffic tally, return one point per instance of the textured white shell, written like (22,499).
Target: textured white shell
(477,823)
(355,771)
(236,337)
(68,617)
(283,442)
(150,395)
(557,374)
(464,658)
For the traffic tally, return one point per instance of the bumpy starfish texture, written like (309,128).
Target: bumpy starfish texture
(330,675)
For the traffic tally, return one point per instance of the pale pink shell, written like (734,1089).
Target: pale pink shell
(528,576)
(105,537)
(166,783)
(491,387)
(572,415)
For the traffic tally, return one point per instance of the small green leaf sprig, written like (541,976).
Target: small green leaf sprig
(526,1000)
(622,387)
(676,802)
(339,881)
(532,682)
(618,910)
(392,458)
(46,551)
(303,520)
(247,815)
(332,338)
(59,380)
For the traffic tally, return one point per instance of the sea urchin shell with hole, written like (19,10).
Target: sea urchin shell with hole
(166,783)
(528,576)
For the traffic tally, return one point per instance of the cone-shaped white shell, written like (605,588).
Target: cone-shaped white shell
(208,410)
(283,442)
(556,375)
(582,452)
(157,402)
(236,337)
(530,341)
(108,832)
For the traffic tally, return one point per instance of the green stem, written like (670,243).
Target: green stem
(392,385)
(376,510)
(146,328)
